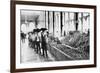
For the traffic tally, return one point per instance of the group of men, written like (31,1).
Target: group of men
(39,42)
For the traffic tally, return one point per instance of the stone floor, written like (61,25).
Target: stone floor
(29,55)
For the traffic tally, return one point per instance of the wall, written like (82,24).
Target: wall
(5,36)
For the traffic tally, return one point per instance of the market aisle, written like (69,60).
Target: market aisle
(29,55)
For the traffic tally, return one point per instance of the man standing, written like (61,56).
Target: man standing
(38,44)
(44,46)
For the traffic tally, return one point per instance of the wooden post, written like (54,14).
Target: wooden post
(76,21)
(48,21)
(53,23)
(45,19)
(82,21)
(61,21)
(68,22)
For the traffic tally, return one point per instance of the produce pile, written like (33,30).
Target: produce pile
(77,40)
(80,43)
(74,54)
